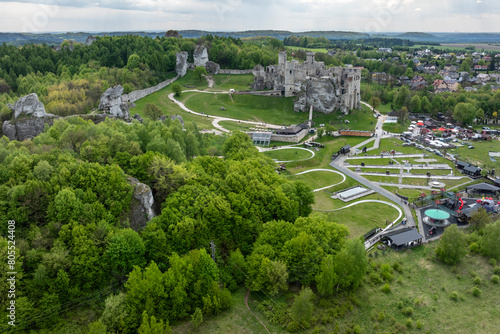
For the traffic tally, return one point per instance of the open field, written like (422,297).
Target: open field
(420,291)
(235,126)
(161,100)
(478,46)
(318,179)
(307,49)
(234,321)
(451,47)
(363,217)
(479,154)
(396,127)
(323,157)
(274,110)
(237,82)
(288,154)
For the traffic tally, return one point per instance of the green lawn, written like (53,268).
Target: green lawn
(237,82)
(235,126)
(323,157)
(274,110)
(363,217)
(396,127)
(306,49)
(318,179)
(376,162)
(161,99)
(237,319)
(288,154)
(479,154)
(384,108)
(420,291)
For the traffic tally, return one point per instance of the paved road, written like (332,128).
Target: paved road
(376,188)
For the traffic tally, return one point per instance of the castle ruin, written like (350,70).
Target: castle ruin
(326,89)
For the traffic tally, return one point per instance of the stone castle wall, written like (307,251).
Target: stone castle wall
(225,71)
(139,94)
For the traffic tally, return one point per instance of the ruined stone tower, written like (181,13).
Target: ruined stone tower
(325,89)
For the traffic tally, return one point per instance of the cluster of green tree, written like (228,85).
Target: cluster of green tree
(483,239)
(70,81)
(307,42)
(233,53)
(68,191)
(370,43)
(462,106)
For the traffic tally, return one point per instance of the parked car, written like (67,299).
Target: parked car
(486,128)
(429,149)
(471,146)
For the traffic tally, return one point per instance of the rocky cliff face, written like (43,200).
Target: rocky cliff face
(25,128)
(29,105)
(111,103)
(200,55)
(181,64)
(141,209)
(319,93)
(212,68)
(90,40)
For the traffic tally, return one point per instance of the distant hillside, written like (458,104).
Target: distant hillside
(58,38)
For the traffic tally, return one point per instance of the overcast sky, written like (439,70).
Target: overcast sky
(235,15)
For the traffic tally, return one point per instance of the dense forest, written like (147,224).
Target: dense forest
(68,191)
(71,81)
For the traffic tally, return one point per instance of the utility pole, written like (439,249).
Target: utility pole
(212,247)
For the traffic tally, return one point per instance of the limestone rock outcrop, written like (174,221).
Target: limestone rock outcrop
(200,55)
(172,33)
(319,93)
(141,209)
(172,117)
(212,68)
(90,40)
(29,105)
(111,103)
(139,118)
(25,128)
(181,63)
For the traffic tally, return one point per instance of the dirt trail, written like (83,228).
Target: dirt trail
(248,307)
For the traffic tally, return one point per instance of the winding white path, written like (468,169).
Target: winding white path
(368,201)
(217,119)
(323,170)
(294,148)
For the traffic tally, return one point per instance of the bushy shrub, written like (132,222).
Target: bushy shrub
(477,280)
(408,311)
(493,262)
(495,279)
(419,324)
(409,323)
(474,247)
(399,268)
(454,296)
(496,270)
(375,278)
(386,288)
(476,292)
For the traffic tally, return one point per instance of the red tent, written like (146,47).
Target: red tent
(441,129)
(420,124)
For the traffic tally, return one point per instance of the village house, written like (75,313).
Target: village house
(441,86)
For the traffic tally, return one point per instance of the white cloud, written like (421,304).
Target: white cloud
(217,15)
